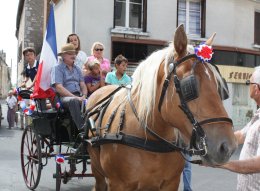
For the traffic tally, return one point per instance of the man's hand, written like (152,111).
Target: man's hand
(82,98)
(23,85)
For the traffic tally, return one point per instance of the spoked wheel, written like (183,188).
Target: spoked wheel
(58,176)
(31,159)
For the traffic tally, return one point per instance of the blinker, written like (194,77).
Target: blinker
(189,88)
(223,91)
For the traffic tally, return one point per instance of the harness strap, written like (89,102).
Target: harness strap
(110,120)
(102,100)
(213,120)
(133,141)
(103,110)
(122,120)
(131,103)
(173,145)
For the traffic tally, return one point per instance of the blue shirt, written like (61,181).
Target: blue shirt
(31,72)
(112,79)
(70,79)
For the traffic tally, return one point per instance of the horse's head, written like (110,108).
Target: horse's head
(195,85)
(184,91)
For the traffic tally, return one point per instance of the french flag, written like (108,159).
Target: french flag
(48,59)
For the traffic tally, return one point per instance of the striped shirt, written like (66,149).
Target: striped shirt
(251,148)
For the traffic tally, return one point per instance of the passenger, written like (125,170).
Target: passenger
(119,76)
(97,51)
(30,70)
(93,79)
(68,81)
(81,57)
(11,102)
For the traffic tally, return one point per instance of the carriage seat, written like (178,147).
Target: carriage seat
(49,113)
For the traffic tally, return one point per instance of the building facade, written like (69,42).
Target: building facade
(5,76)
(136,28)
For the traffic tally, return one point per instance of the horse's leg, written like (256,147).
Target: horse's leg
(97,170)
(101,184)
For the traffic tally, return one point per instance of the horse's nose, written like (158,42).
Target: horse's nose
(225,150)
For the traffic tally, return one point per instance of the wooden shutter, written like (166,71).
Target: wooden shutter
(257,28)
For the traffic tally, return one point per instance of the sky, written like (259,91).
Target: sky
(8,41)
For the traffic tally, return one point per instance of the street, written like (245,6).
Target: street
(203,178)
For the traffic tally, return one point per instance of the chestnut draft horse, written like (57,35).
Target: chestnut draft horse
(174,97)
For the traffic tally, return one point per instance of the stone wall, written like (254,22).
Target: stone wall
(5,76)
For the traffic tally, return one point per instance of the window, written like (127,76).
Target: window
(130,14)
(134,50)
(191,13)
(257,28)
(233,58)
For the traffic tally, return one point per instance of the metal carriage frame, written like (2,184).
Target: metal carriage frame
(52,134)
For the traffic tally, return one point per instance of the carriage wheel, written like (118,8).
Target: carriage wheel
(31,159)
(58,176)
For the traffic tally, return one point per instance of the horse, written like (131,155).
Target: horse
(173,107)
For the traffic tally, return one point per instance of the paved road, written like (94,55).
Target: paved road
(203,178)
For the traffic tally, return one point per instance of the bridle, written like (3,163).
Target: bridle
(198,138)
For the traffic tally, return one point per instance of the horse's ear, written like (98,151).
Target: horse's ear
(210,40)
(180,41)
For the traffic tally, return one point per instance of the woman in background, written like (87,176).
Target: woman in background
(81,57)
(97,51)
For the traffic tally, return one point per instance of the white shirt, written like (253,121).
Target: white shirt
(11,101)
(251,148)
(81,59)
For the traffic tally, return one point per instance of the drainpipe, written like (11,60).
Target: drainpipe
(73,16)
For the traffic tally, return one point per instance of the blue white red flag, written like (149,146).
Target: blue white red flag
(48,59)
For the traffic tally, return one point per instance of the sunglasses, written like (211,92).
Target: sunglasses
(248,83)
(99,49)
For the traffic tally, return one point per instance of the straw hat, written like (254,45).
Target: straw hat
(67,48)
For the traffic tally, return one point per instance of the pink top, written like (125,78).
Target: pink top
(105,65)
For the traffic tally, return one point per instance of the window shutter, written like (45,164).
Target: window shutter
(257,28)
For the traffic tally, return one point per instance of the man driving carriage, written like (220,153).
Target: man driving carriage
(68,81)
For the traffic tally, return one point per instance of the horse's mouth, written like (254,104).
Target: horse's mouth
(215,161)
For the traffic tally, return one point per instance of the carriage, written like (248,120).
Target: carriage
(52,134)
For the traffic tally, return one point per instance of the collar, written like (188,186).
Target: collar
(34,65)
(65,66)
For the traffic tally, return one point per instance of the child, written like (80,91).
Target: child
(93,79)
(119,76)
(11,102)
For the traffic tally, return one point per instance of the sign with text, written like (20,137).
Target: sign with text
(235,74)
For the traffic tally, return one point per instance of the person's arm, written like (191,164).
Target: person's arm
(91,88)
(102,81)
(83,88)
(25,80)
(243,166)
(107,79)
(240,137)
(29,87)
(63,91)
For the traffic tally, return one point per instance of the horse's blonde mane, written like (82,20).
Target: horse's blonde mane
(144,83)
